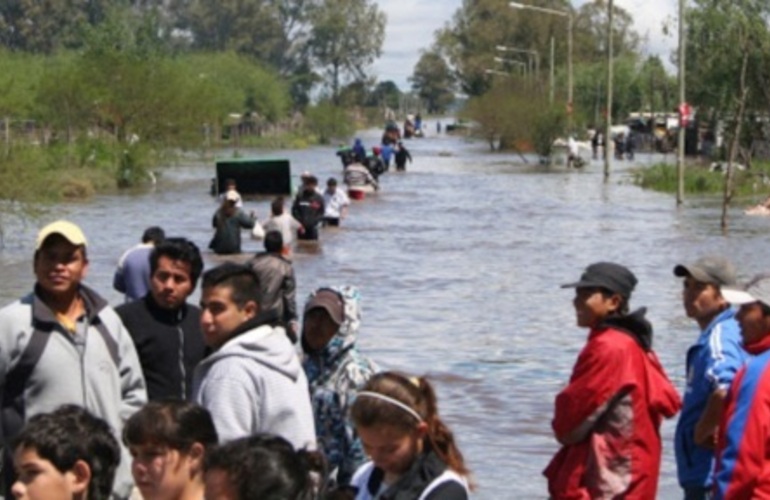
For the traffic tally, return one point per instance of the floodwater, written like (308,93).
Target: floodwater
(459,262)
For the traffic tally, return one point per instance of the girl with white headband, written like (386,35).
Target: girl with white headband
(413,454)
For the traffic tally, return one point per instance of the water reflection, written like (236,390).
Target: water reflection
(459,262)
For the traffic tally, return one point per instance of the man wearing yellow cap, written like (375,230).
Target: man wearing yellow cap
(63,344)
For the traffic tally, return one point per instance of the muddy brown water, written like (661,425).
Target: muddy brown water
(459,261)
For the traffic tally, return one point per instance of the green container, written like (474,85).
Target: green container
(255,176)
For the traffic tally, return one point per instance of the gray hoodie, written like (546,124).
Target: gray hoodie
(255,383)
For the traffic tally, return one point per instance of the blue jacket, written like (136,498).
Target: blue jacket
(712,363)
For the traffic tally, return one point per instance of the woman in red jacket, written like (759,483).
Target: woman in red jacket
(608,418)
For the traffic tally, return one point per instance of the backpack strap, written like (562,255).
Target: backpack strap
(17,377)
(109,341)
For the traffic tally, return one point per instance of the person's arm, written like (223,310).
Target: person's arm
(708,424)
(132,383)
(119,280)
(597,382)
(246,221)
(289,291)
(726,356)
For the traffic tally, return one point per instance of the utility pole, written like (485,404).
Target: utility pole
(608,130)
(680,142)
(551,77)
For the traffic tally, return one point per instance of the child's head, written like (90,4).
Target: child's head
(168,441)
(603,291)
(68,453)
(262,466)
(230,184)
(397,419)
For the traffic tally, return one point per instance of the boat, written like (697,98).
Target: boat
(359,181)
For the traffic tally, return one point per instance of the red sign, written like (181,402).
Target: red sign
(685,114)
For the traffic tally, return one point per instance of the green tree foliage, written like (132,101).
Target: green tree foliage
(46,26)
(328,122)
(590,32)
(433,81)
(345,38)
(250,27)
(515,113)
(385,94)
(719,33)
(19,78)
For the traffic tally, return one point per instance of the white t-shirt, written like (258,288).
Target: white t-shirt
(284,223)
(335,202)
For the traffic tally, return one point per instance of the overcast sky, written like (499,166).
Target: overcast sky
(411,24)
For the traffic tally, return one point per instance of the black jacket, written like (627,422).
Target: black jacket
(161,338)
(308,209)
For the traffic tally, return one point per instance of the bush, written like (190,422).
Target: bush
(699,180)
(328,122)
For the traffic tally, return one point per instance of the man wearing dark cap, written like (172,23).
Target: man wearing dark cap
(63,344)
(608,417)
(336,370)
(711,366)
(308,208)
(743,444)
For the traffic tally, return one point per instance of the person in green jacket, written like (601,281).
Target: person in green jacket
(228,222)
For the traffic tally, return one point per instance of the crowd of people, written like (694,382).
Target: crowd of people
(607,419)
(247,395)
(244,395)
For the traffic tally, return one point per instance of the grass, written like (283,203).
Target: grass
(698,180)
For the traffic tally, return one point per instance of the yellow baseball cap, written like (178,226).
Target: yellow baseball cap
(68,230)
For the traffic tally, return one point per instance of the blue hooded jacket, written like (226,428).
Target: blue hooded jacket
(712,363)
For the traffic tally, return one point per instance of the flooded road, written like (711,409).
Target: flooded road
(459,262)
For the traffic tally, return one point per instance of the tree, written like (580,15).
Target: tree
(44,27)
(250,27)
(433,81)
(385,95)
(346,36)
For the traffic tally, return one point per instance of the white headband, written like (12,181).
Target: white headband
(396,402)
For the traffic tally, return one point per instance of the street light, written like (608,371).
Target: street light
(496,72)
(533,55)
(568,15)
(521,64)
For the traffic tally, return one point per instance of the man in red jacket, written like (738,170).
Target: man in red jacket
(608,418)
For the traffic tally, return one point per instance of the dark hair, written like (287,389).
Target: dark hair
(172,423)
(241,279)
(418,394)
(265,466)
(276,207)
(623,307)
(230,182)
(180,249)
(71,433)
(331,182)
(153,234)
(273,241)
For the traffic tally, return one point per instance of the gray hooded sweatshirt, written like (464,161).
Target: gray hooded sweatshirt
(77,368)
(255,383)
